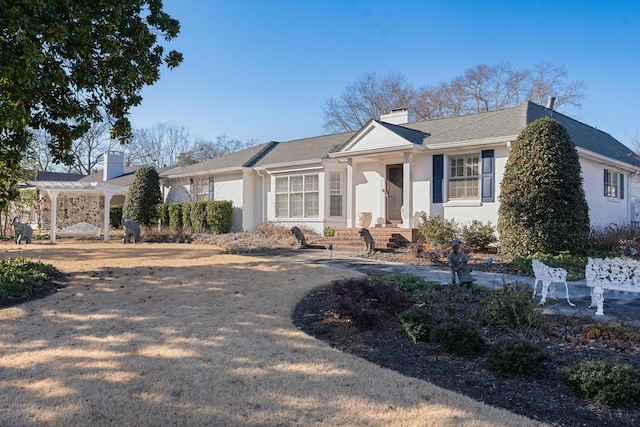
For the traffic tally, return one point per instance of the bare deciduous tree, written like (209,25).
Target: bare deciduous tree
(158,145)
(205,150)
(480,88)
(88,150)
(367,98)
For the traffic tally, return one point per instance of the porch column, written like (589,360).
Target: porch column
(351,200)
(53,226)
(407,190)
(107,211)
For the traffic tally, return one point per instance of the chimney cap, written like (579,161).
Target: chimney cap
(550,101)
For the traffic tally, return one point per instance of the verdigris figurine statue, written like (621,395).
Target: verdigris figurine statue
(458,265)
(22,232)
(131,231)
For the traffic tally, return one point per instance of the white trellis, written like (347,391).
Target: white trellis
(54,188)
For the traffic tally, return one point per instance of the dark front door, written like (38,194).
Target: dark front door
(394,193)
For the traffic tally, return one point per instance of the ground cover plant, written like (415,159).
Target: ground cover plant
(21,279)
(494,346)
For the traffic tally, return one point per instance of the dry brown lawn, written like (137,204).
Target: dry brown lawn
(181,334)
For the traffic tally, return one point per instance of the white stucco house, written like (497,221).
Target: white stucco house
(393,171)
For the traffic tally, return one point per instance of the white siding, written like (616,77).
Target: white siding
(604,210)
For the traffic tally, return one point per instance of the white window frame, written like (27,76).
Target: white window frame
(612,184)
(293,189)
(468,173)
(336,195)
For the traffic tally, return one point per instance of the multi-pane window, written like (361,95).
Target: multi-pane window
(297,196)
(335,194)
(613,184)
(464,172)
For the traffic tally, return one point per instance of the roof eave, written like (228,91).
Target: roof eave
(602,159)
(471,143)
(396,149)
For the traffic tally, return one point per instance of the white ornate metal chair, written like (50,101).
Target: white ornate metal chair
(549,276)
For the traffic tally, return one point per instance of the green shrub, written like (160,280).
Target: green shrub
(220,216)
(436,229)
(329,231)
(19,276)
(163,214)
(115,216)
(513,309)
(510,357)
(367,302)
(542,202)
(607,383)
(199,216)
(143,196)
(457,336)
(478,235)
(186,217)
(175,216)
(417,323)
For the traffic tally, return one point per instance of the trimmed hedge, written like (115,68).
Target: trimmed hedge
(199,217)
(115,216)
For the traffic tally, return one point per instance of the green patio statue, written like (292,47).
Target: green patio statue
(458,265)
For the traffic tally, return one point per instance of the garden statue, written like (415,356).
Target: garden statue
(369,243)
(458,265)
(131,231)
(22,232)
(297,233)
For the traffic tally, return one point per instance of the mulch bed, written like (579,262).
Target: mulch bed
(542,397)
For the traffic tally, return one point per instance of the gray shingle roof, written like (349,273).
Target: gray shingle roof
(58,176)
(315,148)
(507,123)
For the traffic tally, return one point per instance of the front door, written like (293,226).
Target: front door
(394,193)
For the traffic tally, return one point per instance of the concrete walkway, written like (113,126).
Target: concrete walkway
(618,306)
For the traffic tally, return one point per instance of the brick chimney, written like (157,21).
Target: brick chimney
(113,164)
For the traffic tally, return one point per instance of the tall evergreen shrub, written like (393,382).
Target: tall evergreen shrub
(175,216)
(542,202)
(143,196)
(220,216)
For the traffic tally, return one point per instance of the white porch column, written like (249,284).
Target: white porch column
(53,226)
(407,190)
(351,193)
(107,211)
(248,200)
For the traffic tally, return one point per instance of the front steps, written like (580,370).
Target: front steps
(385,238)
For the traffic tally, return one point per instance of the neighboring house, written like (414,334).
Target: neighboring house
(393,172)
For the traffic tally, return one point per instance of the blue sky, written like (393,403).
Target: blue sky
(264,69)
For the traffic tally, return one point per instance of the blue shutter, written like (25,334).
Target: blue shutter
(606,172)
(438,175)
(488,176)
(622,186)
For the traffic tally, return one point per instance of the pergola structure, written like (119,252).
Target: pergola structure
(55,188)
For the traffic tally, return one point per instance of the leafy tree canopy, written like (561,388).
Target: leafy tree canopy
(65,60)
